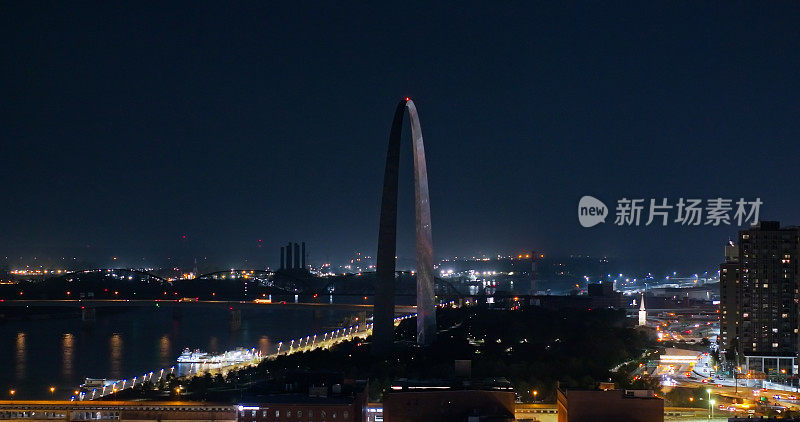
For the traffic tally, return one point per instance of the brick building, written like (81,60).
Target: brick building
(609,406)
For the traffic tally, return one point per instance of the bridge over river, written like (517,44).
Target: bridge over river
(230,304)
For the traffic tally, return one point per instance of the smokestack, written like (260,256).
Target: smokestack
(303,255)
(283,256)
(296,255)
(289,256)
(534,275)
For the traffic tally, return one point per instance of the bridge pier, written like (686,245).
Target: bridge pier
(88,314)
(236,319)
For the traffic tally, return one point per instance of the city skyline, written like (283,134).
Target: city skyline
(122,146)
(202,219)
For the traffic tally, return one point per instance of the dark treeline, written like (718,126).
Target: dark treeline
(533,348)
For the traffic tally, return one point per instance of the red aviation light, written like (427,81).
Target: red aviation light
(408,99)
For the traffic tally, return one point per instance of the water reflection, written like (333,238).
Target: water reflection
(125,343)
(115,349)
(164,351)
(213,345)
(264,345)
(67,354)
(19,354)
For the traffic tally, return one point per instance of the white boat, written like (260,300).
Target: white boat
(98,382)
(195,356)
(235,356)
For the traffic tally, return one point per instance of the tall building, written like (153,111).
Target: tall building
(760,303)
(729,308)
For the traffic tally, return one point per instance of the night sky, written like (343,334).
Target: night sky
(128,126)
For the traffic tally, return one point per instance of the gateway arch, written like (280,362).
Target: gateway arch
(383,329)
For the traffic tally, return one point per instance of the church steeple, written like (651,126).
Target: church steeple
(642,313)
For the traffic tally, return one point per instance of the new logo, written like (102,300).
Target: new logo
(591,211)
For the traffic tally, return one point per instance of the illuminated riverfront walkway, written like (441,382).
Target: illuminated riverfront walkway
(302,344)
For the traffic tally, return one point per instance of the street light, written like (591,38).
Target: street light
(12,392)
(535,393)
(710,408)
(52,391)
(736,379)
